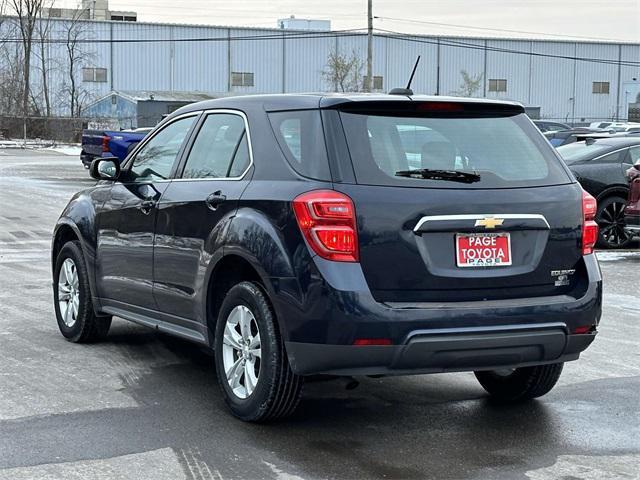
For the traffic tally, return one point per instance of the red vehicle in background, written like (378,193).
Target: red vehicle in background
(632,210)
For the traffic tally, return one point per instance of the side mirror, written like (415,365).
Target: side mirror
(107,168)
(637,165)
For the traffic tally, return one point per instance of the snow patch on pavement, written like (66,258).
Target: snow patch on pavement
(622,467)
(161,464)
(280,475)
(612,256)
(66,149)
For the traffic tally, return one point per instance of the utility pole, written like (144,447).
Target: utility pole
(369,78)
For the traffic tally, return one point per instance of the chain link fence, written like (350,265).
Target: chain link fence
(46,129)
(57,130)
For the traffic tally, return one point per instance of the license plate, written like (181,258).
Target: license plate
(483,249)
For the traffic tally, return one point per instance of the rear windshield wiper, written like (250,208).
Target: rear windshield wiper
(450,175)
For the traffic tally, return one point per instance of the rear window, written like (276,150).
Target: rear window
(579,151)
(506,151)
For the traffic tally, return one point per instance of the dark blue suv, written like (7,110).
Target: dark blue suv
(339,234)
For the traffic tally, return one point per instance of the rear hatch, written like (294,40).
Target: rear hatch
(508,225)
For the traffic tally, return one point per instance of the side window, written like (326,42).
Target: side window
(155,159)
(634,155)
(220,149)
(610,158)
(301,138)
(291,132)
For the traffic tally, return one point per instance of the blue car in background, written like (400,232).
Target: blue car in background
(109,143)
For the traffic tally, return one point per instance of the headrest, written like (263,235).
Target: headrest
(439,156)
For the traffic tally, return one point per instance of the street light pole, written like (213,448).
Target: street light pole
(369,78)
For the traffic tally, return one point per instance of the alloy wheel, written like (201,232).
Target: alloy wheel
(241,352)
(612,225)
(69,292)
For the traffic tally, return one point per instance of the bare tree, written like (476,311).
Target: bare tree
(344,72)
(76,34)
(10,78)
(43,28)
(27,12)
(470,84)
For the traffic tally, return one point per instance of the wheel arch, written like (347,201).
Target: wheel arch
(65,231)
(231,269)
(611,191)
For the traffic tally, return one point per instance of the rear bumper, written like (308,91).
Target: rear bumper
(431,337)
(437,352)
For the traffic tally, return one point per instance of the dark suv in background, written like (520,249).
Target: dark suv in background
(345,235)
(600,165)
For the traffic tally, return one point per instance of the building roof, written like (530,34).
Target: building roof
(380,33)
(155,95)
(163,96)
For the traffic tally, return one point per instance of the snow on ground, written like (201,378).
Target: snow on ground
(66,149)
(613,255)
(38,144)
(29,143)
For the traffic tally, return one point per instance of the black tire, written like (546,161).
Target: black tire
(87,327)
(278,390)
(522,384)
(610,219)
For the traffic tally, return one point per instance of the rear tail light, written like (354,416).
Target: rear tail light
(589,226)
(105,143)
(583,329)
(327,220)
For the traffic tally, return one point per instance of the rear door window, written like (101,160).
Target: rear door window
(634,155)
(506,151)
(220,149)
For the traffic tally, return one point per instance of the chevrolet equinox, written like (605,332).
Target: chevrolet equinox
(339,234)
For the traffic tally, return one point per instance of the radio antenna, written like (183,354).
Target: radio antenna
(413,72)
(406,91)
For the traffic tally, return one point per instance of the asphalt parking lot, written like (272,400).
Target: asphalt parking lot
(142,405)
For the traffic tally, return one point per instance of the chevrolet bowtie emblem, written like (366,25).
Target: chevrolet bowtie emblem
(489,222)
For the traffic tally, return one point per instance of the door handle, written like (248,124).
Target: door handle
(215,199)
(146,206)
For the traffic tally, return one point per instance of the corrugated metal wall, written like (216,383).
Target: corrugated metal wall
(456,55)
(537,72)
(552,79)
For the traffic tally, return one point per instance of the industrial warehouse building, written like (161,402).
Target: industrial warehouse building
(571,81)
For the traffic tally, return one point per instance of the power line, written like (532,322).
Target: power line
(276,35)
(279,35)
(525,32)
(471,46)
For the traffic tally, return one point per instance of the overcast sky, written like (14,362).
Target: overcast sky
(596,19)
